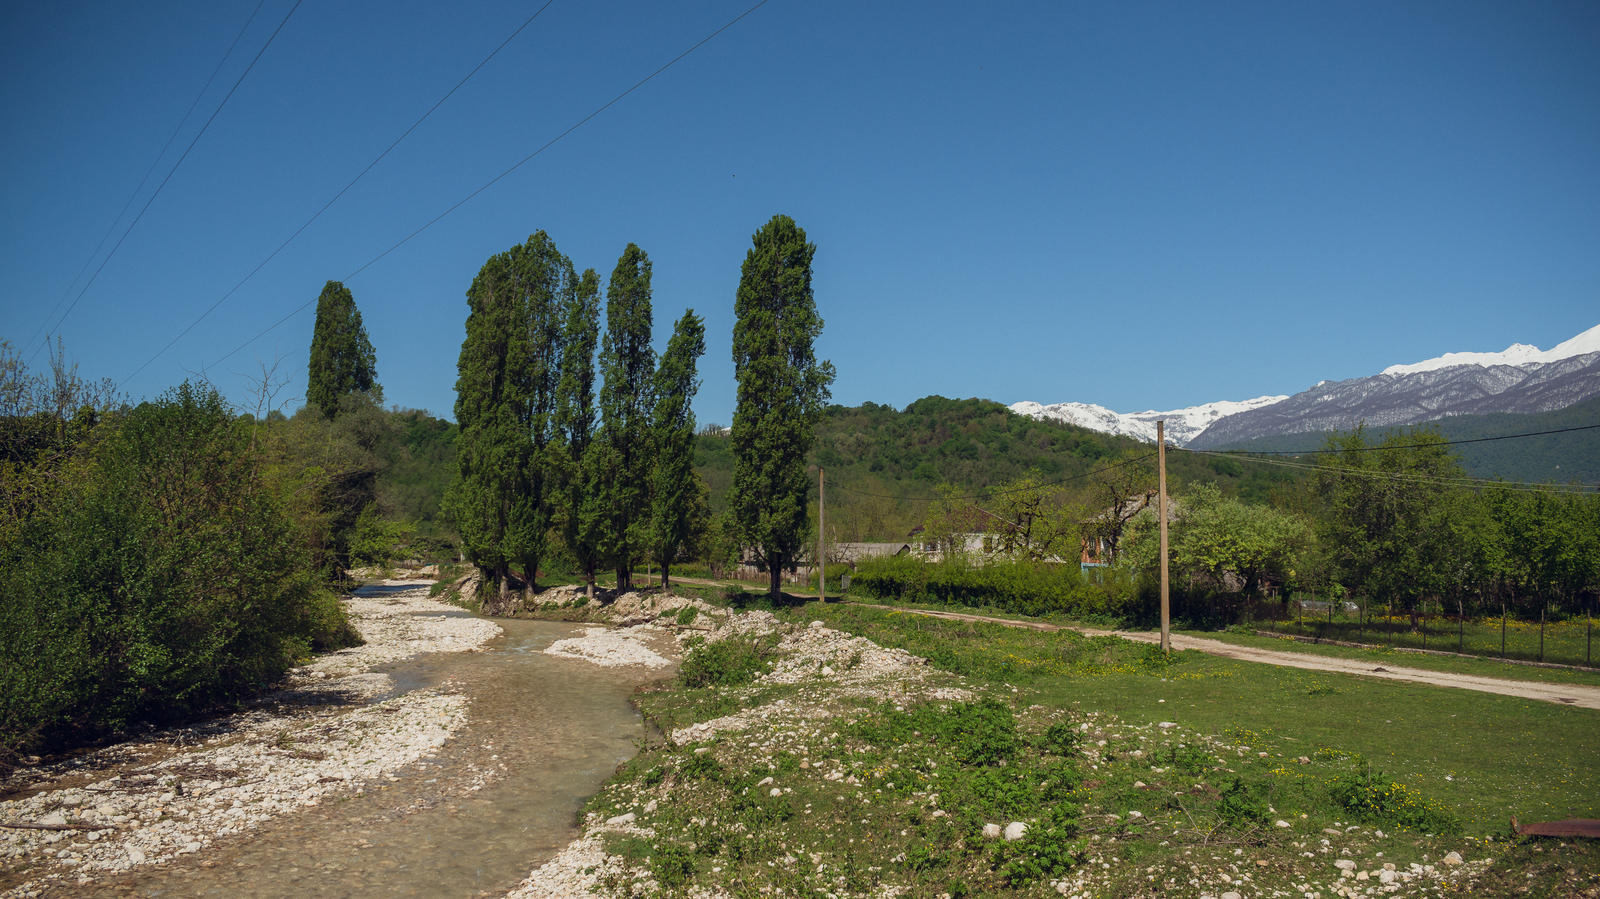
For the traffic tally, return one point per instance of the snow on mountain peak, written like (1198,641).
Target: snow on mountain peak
(1516,354)
(1182,424)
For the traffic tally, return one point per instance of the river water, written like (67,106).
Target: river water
(546,730)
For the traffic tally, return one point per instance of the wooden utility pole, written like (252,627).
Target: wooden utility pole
(1161,515)
(822,524)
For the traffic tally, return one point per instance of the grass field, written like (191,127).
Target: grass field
(1563,642)
(1142,776)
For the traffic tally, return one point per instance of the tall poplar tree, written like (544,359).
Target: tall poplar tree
(781,395)
(629,362)
(583,493)
(673,481)
(506,409)
(342,359)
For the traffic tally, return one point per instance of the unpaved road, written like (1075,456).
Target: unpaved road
(1561,694)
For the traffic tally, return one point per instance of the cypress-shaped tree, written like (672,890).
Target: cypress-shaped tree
(781,394)
(505,407)
(674,486)
(583,487)
(342,359)
(628,362)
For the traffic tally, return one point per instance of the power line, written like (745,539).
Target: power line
(1374,449)
(336,197)
(496,179)
(1370,474)
(174,171)
(148,172)
(992,493)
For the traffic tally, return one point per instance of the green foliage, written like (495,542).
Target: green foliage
(583,458)
(626,401)
(975,733)
(1061,739)
(686,615)
(1216,538)
(672,865)
(1049,850)
(378,540)
(674,486)
(1243,803)
(726,663)
(166,576)
(1027,588)
(781,392)
(342,359)
(1372,799)
(506,388)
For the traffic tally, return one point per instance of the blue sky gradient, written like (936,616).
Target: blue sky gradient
(1138,205)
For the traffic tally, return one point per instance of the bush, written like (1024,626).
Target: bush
(1372,799)
(726,663)
(1027,588)
(164,577)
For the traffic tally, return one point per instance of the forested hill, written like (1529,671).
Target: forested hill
(1561,458)
(972,443)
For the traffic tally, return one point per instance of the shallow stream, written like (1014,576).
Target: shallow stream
(546,731)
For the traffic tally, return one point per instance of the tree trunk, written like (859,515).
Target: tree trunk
(775,570)
(502,575)
(665,580)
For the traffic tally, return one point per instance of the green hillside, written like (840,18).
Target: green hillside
(881,463)
(1555,457)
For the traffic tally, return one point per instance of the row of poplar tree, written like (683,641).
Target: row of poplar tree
(584,436)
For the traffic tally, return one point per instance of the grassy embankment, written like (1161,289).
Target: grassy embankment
(1074,740)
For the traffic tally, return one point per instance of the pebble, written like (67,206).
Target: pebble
(1016,830)
(254,776)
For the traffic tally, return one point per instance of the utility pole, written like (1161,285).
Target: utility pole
(822,523)
(1161,514)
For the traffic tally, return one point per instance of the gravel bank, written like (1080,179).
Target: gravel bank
(176,792)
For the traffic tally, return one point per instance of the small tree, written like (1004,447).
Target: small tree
(674,483)
(781,395)
(583,495)
(342,359)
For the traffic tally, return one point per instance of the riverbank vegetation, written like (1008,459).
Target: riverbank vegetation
(1118,770)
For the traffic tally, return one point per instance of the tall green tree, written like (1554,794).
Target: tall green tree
(583,496)
(782,392)
(508,374)
(342,359)
(1392,527)
(628,362)
(674,484)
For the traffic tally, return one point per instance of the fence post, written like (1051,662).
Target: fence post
(1502,628)
(1541,631)
(1588,637)
(1461,620)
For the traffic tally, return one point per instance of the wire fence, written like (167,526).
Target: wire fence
(1559,640)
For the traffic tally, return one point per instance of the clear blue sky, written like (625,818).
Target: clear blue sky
(1139,205)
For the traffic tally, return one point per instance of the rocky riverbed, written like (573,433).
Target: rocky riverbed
(176,792)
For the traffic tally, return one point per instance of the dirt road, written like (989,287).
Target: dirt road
(1561,694)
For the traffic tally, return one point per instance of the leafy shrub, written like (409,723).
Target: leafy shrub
(700,767)
(726,663)
(1048,850)
(1243,802)
(673,865)
(1372,799)
(1061,739)
(687,615)
(1025,588)
(165,576)
(976,733)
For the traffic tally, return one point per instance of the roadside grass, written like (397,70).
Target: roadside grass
(1564,642)
(1488,756)
(1383,655)
(1483,666)
(1136,775)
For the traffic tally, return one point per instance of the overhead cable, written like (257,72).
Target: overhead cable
(496,179)
(174,171)
(148,172)
(335,199)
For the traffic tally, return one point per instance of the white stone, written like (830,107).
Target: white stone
(136,856)
(775,792)
(1166,724)
(1016,830)
(1345,864)
(650,806)
(1281,823)
(1454,858)
(992,831)
(1386,877)
(622,819)
(1230,895)
(816,624)
(827,671)
(764,781)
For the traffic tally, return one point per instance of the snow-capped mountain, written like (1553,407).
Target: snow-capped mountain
(1182,424)
(1522,378)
